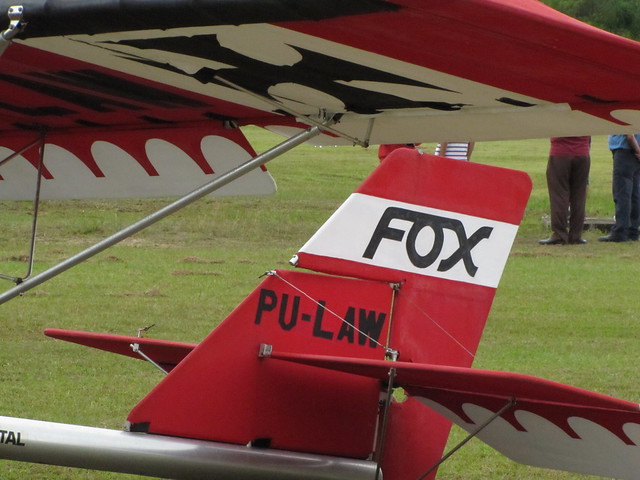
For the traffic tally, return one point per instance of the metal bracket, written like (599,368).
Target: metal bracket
(16,25)
(391,354)
(265,350)
(323,121)
(136,349)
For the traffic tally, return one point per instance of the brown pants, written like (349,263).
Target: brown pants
(567,180)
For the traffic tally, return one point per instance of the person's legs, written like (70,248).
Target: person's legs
(558,169)
(634,218)
(578,182)
(623,167)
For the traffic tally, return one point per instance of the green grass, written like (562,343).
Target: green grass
(565,313)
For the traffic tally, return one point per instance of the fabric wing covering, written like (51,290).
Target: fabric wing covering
(541,423)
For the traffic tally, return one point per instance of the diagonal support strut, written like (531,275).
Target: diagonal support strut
(173,207)
(36,205)
(491,419)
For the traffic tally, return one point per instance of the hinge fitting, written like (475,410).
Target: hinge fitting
(16,25)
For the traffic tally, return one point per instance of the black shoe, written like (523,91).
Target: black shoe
(551,241)
(612,238)
(580,241)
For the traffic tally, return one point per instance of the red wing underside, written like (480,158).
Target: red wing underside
(438,70)
(136,100)
(110,135)
(136,163)
(550,425)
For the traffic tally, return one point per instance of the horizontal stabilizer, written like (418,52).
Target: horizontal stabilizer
(165,353)
(549,424)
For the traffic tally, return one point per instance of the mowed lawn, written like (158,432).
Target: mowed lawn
(566,313)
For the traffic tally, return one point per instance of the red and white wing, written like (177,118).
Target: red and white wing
(108,134)
(134,163)
(394,71)
(542,423)
(136,98)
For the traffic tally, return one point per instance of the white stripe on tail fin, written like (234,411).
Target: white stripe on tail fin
(415,239)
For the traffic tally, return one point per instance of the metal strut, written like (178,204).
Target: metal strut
(473,434)
(136,349)
(173,207)
(385,422)
(36,206)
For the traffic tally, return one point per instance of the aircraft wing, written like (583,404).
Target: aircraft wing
(151,90)
(540,422)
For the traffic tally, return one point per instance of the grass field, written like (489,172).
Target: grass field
(567,313)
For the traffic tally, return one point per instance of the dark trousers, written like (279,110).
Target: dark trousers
(567,180)
(626,194)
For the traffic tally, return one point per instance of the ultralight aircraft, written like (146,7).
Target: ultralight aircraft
(145,98)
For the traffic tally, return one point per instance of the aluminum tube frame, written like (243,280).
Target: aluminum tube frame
(162,456)
(36,205)
(182,202)
(22,150)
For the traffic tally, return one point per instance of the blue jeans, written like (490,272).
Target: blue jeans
(626,194)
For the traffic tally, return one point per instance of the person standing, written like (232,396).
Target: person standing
(567,179)
(455,150)
(626,188)
(385,149)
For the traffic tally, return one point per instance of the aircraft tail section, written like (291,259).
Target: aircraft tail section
(223,390)
(441,230)
(414,258)
(298,381)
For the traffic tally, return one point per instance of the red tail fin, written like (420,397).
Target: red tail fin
(443,229)
(426,239)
